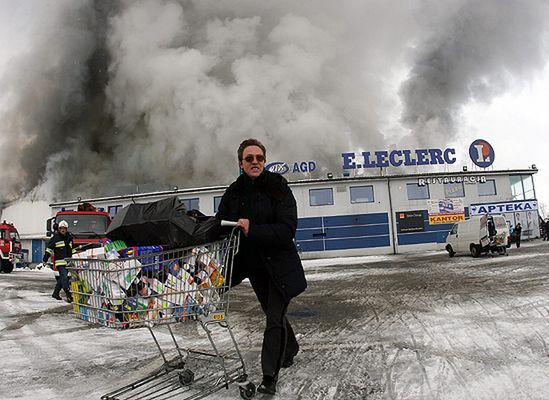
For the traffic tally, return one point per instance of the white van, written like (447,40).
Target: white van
(477,235)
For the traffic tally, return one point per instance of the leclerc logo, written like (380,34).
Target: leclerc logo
(482,153)
(278,167)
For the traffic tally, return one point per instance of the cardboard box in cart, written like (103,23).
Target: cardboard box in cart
(149,264)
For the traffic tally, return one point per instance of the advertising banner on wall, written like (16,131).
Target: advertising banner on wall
(445,211)
(410,221)
(445,218)
(445,206)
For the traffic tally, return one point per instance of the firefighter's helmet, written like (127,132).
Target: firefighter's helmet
(63,224)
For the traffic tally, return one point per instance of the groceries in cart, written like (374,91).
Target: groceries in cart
(129,286)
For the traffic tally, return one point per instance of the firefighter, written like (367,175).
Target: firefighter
(60,247)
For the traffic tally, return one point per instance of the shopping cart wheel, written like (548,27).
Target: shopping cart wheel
(186,377)
(248,391)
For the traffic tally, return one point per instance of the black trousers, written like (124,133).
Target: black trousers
(62,281)
(278,338)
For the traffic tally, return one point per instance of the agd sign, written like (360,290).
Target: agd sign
(280,167)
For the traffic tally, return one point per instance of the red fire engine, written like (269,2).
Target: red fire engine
(10,247)
(87,225)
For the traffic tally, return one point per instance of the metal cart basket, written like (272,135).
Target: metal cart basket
(161,289)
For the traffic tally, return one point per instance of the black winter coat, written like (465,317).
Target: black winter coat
(271,208)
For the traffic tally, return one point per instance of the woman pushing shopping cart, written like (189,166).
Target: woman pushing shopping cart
(124,287)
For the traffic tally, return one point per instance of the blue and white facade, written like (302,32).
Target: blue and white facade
(374,207)
(375,214)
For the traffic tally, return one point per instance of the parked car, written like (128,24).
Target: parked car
(478,234)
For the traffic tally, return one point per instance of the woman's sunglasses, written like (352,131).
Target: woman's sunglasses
(251,157)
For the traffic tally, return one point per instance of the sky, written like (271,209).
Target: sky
(99,97)
(517,126)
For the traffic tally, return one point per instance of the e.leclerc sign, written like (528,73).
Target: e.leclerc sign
(482,153)
(397,158)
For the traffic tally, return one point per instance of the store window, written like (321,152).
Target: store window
(362,194)
(321,197)
(191,204)
(522,187)
(453,190)
(516,187)
(528,185)
(217,201)
(113,210)
(416,192)
(487,188)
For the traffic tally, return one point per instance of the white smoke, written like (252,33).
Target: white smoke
(476,50)
(104,96)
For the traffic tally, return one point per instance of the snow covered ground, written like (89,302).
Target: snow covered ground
(420,326)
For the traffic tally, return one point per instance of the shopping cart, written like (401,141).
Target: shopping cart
(157,290)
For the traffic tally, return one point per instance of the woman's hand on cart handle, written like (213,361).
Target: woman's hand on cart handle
(244,224)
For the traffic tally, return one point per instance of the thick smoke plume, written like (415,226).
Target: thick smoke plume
(104,97)
(475,52)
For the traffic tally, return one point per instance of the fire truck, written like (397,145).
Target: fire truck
(87,225)
(10,247)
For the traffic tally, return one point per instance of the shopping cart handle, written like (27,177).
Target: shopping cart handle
(228,223)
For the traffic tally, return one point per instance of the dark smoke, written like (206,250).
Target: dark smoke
(106,97)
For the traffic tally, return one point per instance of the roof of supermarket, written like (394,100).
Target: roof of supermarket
(301,182)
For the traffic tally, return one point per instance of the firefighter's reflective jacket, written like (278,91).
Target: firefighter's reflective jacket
(60,247)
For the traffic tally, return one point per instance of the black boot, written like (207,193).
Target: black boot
(56,296)
(268,385)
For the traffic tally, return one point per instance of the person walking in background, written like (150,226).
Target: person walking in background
(60,247)
(266,212)
(546,225)
(516,233)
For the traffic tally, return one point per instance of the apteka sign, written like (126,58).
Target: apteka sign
(512,206)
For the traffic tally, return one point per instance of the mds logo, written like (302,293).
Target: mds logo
(278,167)
(482,153)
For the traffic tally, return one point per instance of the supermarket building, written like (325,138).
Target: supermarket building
(361,214)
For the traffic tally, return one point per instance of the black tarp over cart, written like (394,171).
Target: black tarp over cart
(164,222)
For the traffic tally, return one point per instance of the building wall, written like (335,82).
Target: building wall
(29,217)
(339,229)
(434,236)
(343,227)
